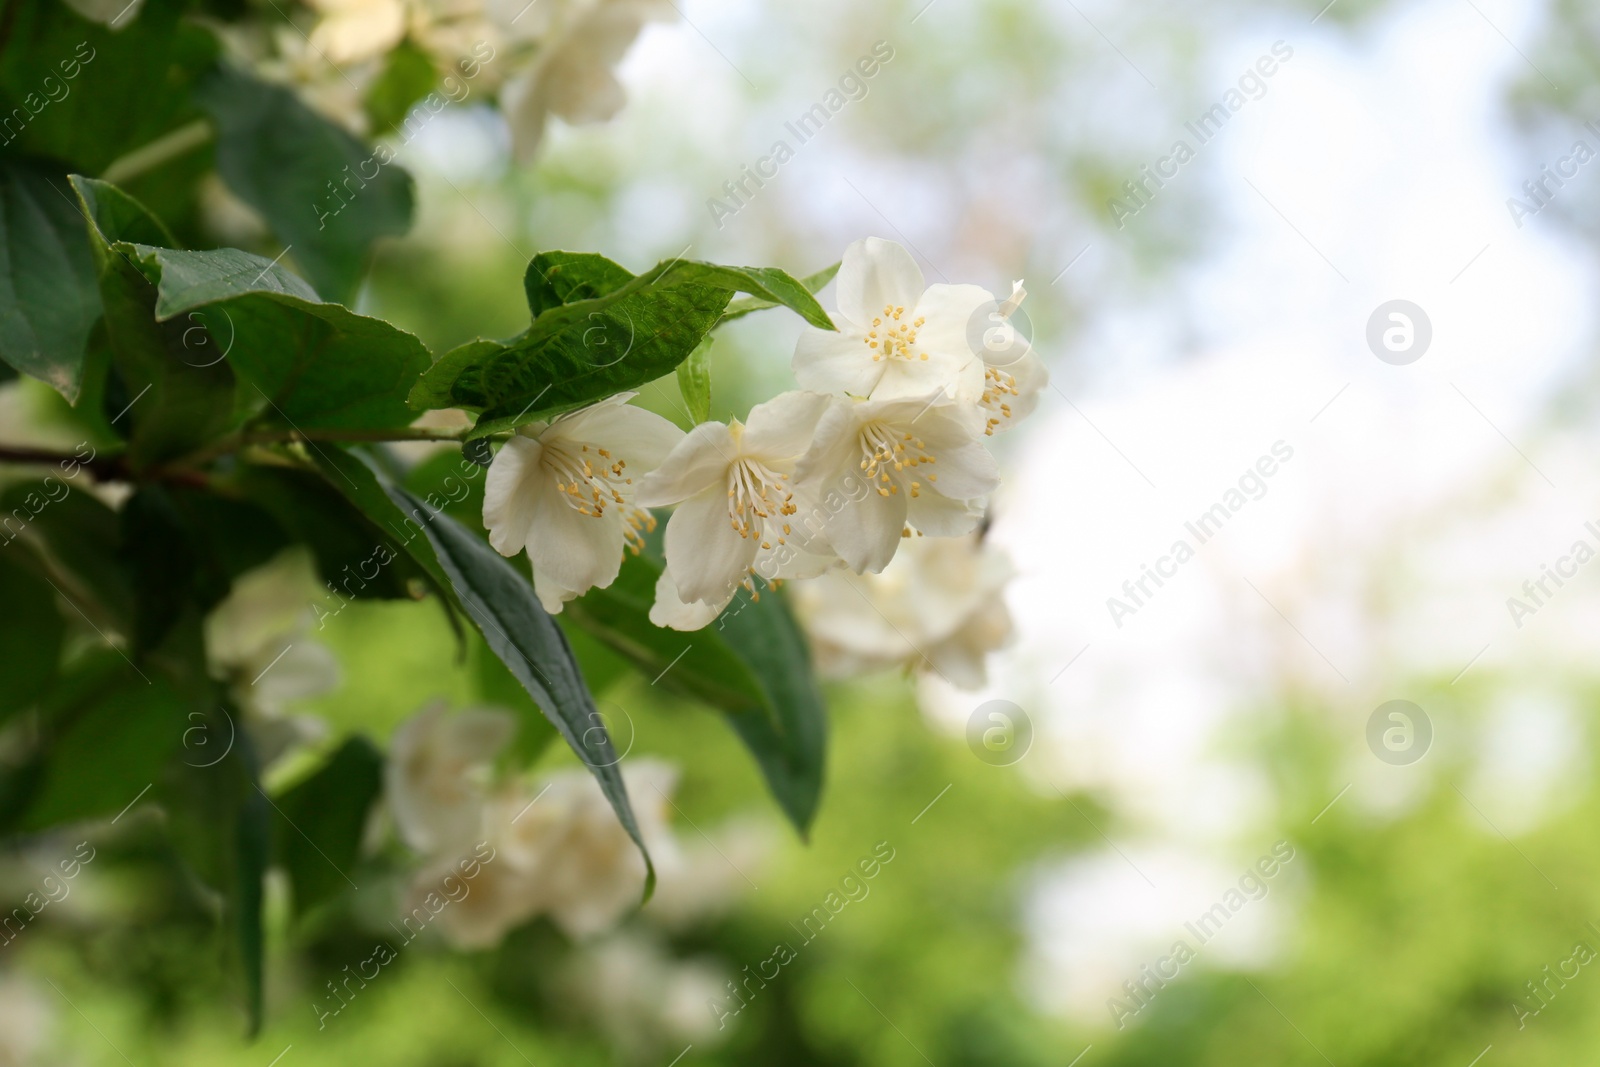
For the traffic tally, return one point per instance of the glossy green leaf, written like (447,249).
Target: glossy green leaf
(694,381)
(813,284)
(326,195)
(179,397)
(501,604)
(303,363)
(353,476)
(49,291)
(357,557)
(597,330)
(791,752)
(751,663)
(698,665)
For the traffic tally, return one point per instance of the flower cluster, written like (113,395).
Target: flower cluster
(555,849)
(544,57)
(937,608)
(883,442)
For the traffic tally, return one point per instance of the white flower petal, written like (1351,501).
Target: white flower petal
(641,437)
(966,469)
(698,461)
(874,273)
(829,362)
(511,494)
(866,532)
(706,555)
(940,516)
(434,771)
(782,428)
(671,611)
(575,551)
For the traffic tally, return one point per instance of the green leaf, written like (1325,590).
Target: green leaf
(501,604)
(85,94)
(326,195)
(49,292)
(358,558)
(752,664)
(694,381)
(597,330)
(30,633)
(493,683)
(698,665)
(303,363)
(319,823)
(184,545)
(791,753)
(160,555)
(219,822)
(179,399)
(108,734)
(73,541)
(354,477)
(813,284)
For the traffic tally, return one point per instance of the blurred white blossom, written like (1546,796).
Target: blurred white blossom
(257,641)
(26,1019)
(938,606)
(557,846)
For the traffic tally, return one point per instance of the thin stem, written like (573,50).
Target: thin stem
(105,468)
(167,147)
(114,468)
(245,438)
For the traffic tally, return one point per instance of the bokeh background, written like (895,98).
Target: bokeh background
(1427,902)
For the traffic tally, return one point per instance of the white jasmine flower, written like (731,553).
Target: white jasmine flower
(286,56)
(937,607)
(641,997)
(564,490)
(354,30)
(889,462)
(560,851)
(896,336)
(437,775)
(1013,374)
(738,510)
(572,75)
